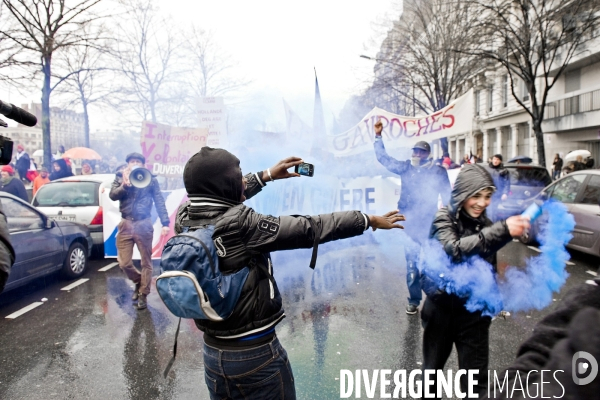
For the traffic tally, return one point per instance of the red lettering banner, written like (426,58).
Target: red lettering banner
(402,131)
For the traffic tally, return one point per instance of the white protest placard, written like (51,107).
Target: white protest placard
(212,115)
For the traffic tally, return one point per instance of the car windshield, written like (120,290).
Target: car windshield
(529,177)
(67,194)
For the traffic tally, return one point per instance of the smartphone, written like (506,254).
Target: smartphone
(305,169)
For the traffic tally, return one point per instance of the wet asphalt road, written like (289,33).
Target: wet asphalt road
(90,343)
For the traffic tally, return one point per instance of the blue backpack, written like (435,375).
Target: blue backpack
(191,284)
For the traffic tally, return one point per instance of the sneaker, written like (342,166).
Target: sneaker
(411,309)
(141,305)
(136,292)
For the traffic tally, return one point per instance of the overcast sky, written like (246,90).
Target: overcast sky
(277,43)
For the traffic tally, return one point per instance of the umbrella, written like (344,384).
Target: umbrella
(572,156)
(82,153)
(38,153)
(521,159)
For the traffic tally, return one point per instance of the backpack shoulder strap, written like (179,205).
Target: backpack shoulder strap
(317,232)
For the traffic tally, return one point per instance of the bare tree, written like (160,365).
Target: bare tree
(208,71)
(210,65)
(146,50)
(421,62)
(44,27)
(534,41)
(88,79)
(9,50)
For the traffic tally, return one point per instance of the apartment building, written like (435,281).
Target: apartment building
(571,119)
(30,138)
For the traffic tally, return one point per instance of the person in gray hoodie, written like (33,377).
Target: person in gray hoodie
(464,231)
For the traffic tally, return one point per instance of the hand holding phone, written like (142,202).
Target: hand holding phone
(305,169)
(280,170)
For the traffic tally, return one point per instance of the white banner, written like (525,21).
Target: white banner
(401,131)
(308,196)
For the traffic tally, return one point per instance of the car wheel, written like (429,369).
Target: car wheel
(76,261)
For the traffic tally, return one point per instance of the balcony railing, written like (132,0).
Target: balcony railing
(572,105)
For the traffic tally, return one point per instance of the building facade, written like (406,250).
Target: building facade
(30,138)
(67,127)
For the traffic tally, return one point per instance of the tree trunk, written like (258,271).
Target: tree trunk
(47,143)
(539,137)
(86,123)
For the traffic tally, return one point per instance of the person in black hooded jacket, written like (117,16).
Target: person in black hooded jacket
(61,170)
(243,358)
(464,231)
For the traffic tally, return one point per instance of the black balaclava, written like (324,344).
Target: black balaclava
(214,173)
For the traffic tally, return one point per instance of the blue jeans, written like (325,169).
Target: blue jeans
(413,276)
(555,175)
(263,372)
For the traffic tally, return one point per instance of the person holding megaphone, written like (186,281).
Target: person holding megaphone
(136,189)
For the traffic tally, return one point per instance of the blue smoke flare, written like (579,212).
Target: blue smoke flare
(519,289)
(544,274)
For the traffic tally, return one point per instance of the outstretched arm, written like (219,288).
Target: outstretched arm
(392,165)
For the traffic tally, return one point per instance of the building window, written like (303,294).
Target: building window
(524,91)
(490,98)
(477,104)
(572,80)
(504,90)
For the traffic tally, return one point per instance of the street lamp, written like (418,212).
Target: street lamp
(393,63)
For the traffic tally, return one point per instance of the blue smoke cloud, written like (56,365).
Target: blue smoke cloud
(544,274)
(518,289)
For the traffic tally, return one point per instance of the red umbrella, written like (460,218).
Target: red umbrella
(82,153)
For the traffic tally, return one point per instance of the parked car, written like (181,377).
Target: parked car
(76,199)
(580,192)
(43,246)
(526,181)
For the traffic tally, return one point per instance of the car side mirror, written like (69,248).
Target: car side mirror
(49,224)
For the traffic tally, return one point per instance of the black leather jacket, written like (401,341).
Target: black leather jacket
(461,235)
(244,237)
(137,203)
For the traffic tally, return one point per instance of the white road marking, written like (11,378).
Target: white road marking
(107,267)
(592,273)
(75,284)
(24,310)
(569,263)
(535,249)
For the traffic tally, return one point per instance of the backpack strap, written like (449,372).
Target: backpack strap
(317,232)
(170,364)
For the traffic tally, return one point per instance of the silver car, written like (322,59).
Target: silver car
(76,199)
(580,192)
